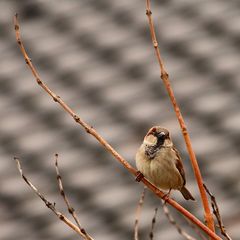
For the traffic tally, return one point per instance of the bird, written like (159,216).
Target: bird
(159,161)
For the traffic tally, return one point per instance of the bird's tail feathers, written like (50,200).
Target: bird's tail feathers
(186,194)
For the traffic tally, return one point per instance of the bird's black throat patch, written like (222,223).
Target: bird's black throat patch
(151,151)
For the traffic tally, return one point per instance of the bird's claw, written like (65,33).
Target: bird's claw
(139,176)
(166,196)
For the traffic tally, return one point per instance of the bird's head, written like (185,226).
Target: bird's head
(158,136)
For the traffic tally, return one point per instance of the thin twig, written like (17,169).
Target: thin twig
(174,223)
(166,81)
(217,214)
(71,210)
(51,206)
(196,229)
(89,129)
(138,214)
(151,234)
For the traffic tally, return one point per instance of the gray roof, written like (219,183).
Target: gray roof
(97,55)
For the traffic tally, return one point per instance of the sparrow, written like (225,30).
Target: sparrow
(159,161)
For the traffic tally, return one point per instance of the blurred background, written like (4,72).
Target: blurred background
(98,56)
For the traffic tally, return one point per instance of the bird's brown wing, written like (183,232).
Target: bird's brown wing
(179,166)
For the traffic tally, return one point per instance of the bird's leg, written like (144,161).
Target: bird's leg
(166,196)
(139,176)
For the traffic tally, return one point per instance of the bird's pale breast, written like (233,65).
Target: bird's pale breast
(161,170)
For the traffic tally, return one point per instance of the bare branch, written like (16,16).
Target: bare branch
(51,206)
(89,129)
(153,224)
(174,223)
(71,210)
(138,214)
(197,230)
(217,214)
(165,77)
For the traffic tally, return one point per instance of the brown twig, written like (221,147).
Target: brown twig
(51,206)
(102,141)
(174,223)
(71,210)
(138,214)
(151,234)
(217,214)
(196,229)
(165,78)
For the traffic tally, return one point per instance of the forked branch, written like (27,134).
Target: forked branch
(71,210)
(166,81)
(174,223)
(217,214)
(103,142)
(51,206)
